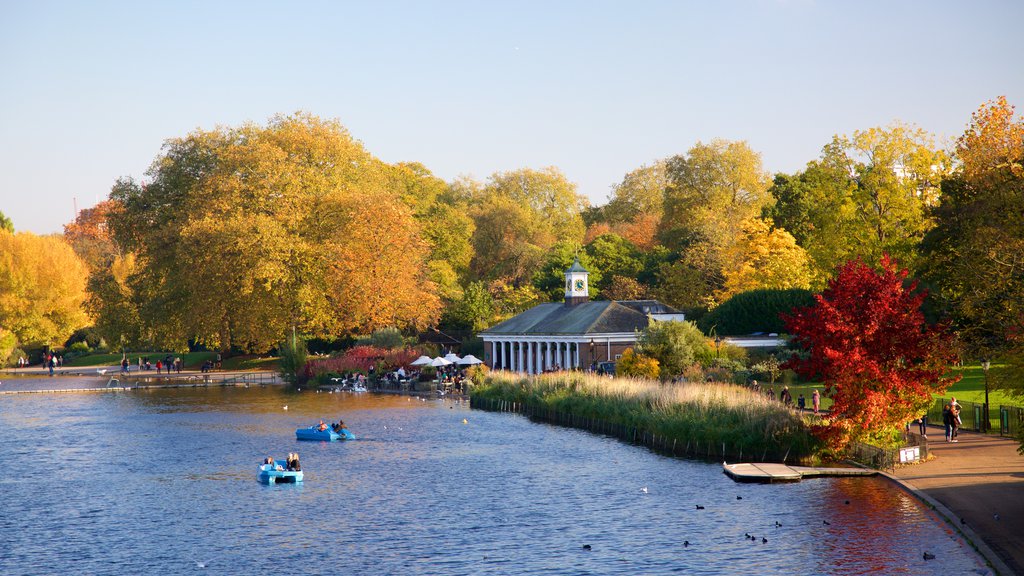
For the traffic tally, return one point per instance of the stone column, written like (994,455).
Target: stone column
(519,357)
(494,353)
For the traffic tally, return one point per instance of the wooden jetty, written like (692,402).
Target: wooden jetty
(769,472)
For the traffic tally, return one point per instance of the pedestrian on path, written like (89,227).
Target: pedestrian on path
(816,400)
(922,424)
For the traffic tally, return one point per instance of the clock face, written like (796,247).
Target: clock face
(580,284)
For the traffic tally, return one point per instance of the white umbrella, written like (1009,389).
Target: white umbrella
(436,362)
(470,359)
(452,357)
(422,361)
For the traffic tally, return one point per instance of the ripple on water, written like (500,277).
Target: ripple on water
(156,481)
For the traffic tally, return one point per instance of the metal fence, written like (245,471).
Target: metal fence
(1005,421)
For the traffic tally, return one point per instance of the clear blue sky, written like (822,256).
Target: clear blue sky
(90,90)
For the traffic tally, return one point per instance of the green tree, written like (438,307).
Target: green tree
(292,362)
(754,311)
(974,255)
(474,311)
(6,223)
(675,345)
(611,255)
(549,280)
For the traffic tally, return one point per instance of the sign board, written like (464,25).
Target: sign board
(912,454)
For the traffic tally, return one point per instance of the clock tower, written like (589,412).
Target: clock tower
(576,289)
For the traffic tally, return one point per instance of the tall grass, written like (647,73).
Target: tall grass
(729,420)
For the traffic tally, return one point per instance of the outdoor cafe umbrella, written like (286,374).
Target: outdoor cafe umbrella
(470,359)
(422,361)
(437,362)
(452,357)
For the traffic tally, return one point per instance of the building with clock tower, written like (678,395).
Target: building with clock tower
(576,334)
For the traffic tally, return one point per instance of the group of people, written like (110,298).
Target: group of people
(337,427)
(786,397)
(951,419)
(291,463)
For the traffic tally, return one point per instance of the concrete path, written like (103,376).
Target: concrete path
(980,480)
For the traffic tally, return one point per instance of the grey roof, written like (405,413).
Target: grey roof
(576,267)
(649,306)
(600,317)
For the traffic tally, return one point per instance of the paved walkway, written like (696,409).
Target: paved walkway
(93,378)
(980,482)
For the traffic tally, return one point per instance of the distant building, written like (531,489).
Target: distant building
(576,333)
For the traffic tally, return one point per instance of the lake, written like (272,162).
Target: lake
(164,482)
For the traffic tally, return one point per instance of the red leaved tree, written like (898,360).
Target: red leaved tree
(870,344)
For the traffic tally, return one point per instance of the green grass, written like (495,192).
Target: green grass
(701,413)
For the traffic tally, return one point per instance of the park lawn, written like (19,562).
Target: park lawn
(970,388)
(249,363)
(190,359)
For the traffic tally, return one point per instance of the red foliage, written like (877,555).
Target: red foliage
(870,344)
(359,359)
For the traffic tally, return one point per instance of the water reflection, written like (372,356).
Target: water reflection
(157,480)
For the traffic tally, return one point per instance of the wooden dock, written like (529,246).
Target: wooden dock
(769,472)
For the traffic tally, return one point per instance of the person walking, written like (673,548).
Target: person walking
(922,424)
(954,410)
(816,400)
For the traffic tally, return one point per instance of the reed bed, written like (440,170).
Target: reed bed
(710,420)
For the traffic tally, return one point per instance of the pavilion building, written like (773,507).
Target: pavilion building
(574,334)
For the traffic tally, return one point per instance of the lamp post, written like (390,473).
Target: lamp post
(984,416)
(718,342)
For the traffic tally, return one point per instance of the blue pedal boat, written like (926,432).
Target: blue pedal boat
(270,474)
(311,433)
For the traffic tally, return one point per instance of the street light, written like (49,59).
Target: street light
(718,342)
(984,417)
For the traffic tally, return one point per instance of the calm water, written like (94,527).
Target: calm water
(158,482)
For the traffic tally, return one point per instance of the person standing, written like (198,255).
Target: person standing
(922,424)
(954,409)
(816,400)
(947,421)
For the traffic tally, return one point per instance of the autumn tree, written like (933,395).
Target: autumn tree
(764,257)
(519,216)
(42,288)
(244,232)
(711,192)
(549,279)
(90,237)
(975,253)
(6,224)
(869,343)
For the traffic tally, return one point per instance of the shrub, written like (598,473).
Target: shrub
(674,345)
(79,348)
(633,364)
(755,311)
(89,335)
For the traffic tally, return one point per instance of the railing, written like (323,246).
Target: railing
(1005,421)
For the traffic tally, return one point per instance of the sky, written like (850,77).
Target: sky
(89,91)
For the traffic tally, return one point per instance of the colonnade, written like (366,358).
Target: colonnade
(534,356)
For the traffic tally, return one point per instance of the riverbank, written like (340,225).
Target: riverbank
(714,421)
(78,381)
(978,484)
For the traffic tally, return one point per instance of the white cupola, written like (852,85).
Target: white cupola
(577,291)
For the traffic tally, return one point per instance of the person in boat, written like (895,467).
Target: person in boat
(269,460)
(293,462)
(341,425)
(322,426)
